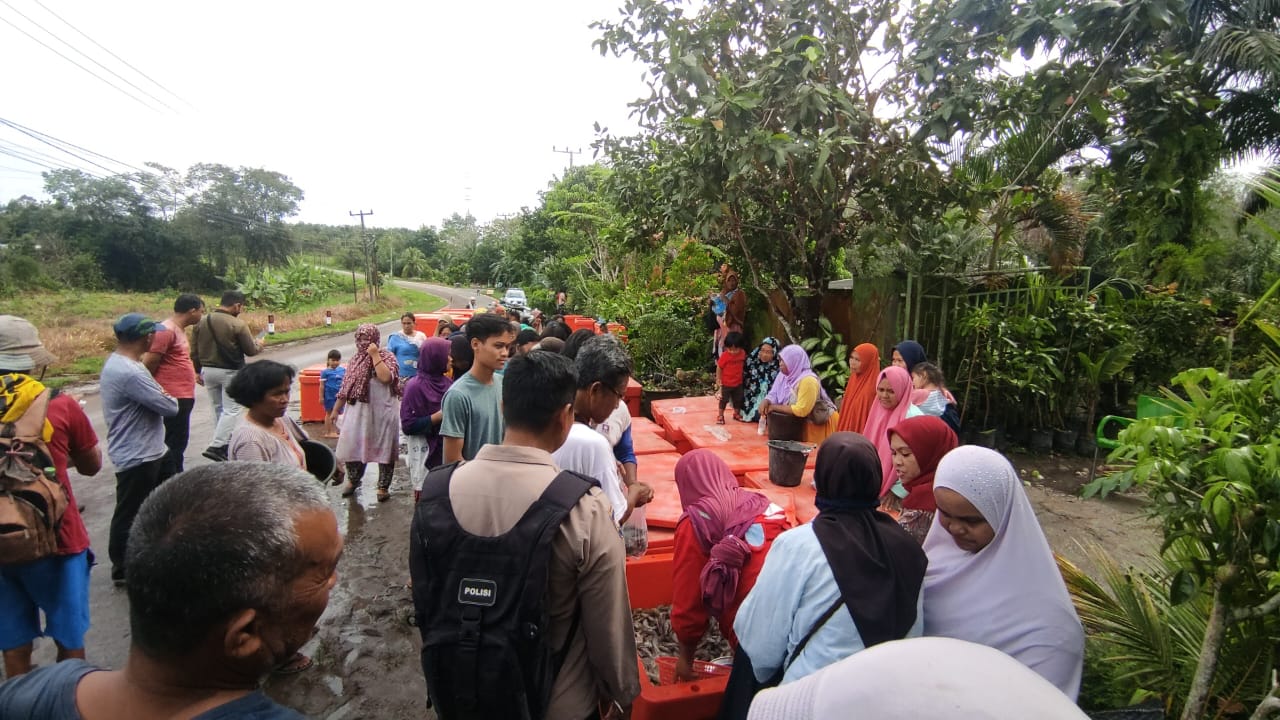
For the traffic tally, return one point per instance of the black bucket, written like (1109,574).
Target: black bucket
(786,427)
(321,461)
(786,461)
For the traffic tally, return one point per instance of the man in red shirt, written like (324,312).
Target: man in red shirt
(58,585)
(169,361)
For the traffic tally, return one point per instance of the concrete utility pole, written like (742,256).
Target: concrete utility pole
(567,151)
(370,258)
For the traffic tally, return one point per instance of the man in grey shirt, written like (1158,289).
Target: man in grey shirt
(134,406)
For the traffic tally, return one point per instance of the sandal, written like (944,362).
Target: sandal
(350,489)
(294,665)
(720,420)
(383,494)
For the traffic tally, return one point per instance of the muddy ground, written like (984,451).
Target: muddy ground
(366,653)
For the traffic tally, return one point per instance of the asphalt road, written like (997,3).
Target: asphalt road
(107,643)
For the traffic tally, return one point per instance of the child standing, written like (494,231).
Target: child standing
(331,378)
(729,374)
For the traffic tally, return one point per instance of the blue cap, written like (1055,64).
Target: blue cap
(134,326)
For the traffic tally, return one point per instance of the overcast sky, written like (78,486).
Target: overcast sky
(405,108)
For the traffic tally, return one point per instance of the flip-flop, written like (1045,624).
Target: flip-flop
(294,665)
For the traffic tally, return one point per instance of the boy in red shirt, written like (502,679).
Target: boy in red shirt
(729,375)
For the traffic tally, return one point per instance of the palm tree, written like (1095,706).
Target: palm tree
(1237,42)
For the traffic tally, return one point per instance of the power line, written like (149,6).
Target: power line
(57,144)
(82,54)
(117,57)
(29,151)
(55,51)
(46,164)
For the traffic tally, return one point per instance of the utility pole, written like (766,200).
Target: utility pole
(370,259)
(567,151)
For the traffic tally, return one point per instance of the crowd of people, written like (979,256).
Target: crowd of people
(527,504)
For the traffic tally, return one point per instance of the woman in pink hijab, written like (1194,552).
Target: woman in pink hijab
(721,541)
(893,398)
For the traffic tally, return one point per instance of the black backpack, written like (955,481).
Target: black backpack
(480,604)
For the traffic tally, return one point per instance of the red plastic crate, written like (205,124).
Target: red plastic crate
(703,670)
(649,579)
(632,396)
(698,700)
(647,438)
(666,415)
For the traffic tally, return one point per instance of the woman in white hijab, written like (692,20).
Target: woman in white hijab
(919,678)
(992,578)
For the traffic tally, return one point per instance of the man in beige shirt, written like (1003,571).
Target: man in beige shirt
(586,572)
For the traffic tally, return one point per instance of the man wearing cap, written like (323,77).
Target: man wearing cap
(221,341)
(169,361)
(58,584)
(134,406)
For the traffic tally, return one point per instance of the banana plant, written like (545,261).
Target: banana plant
(829,356)
(1095,371)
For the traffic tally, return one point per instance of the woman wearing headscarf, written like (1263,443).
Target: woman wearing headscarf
(920,678)
(420,411)
(721,541)
(918,444)
(907,354)
(849,580)
(734,316)
(992,578)
(860,393)
(893,398)
(371,429)
(757,377)
(796,390)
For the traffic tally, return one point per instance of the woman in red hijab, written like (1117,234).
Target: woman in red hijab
(918,444)
(864,368)
(721,541)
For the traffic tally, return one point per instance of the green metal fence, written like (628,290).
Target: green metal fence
(933,305)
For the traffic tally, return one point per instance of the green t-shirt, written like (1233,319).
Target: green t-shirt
(473,412)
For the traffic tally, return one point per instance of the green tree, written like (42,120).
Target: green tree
(1162,90)
(237,214)
(771,133)
(413,263)
(109,220)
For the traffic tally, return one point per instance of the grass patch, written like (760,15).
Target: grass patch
(76,326)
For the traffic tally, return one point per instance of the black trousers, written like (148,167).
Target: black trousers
(132,487)
(177,433)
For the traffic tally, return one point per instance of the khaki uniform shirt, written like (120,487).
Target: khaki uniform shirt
(587,575)
(221,340)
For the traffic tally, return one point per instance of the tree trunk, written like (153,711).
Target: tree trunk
(1202,681)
